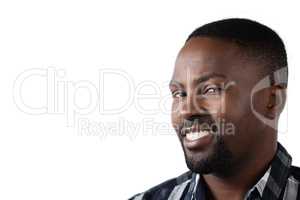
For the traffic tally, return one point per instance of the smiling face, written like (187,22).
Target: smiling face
(211,112)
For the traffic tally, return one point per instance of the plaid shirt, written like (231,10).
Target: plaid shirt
(281,181)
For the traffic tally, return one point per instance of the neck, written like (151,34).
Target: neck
(245,177)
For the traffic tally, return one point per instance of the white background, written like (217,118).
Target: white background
(44,157)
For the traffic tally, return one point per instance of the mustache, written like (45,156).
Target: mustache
(198,122)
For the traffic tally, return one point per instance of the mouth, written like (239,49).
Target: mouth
(192,136)
(197,138)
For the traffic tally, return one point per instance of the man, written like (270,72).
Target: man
(229,89)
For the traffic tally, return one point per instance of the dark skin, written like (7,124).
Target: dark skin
(223,64)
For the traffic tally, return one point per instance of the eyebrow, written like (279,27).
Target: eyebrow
(203,78)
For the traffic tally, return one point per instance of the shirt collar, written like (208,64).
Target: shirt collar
(269,186)
(277,174)
(261,184)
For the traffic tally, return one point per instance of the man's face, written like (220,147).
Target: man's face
(211,112)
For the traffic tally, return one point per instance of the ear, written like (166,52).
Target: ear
(276,101)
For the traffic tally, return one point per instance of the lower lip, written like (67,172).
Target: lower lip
(198,144)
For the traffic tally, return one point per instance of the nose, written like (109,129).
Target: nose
(192,106)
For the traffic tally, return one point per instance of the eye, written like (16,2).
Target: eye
(212,90)
(178,94)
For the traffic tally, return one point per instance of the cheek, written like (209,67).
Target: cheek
(175,115)
(236,105)
(238,113)
(215,106)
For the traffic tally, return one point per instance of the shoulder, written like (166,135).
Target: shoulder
(295,172)
(164,189)
(292,189)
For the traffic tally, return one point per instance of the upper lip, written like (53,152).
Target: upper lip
(193,128)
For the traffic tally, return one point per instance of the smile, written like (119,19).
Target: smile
(197,135)
(196,139)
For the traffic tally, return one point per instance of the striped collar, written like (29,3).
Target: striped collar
(270,186)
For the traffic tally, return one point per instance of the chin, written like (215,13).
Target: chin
(200,162)
(215,160)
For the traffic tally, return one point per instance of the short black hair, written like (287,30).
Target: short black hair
(259,40)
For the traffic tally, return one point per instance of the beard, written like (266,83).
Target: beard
(218,160)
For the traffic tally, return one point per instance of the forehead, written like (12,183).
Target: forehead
(203,55)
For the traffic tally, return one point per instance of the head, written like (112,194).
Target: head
(228,89)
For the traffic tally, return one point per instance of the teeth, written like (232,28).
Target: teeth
(196,135)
